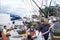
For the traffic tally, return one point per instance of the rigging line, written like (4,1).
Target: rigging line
(26,4)
(46,2)
(32,5)
(29,4)
(36,4)
(55,2)
(38,1)
(41,3)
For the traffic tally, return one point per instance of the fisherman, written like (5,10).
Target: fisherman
(4,33)
(44,28)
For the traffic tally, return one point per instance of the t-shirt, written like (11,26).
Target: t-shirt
(4,31)
(43,28)
(13,25)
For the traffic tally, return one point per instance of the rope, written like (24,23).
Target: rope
(48,30)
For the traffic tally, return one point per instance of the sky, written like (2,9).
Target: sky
(23,7)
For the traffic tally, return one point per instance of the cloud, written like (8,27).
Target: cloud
(22,7)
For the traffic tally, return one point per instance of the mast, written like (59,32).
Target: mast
(39,10)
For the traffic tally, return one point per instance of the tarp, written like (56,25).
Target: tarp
(14,17)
